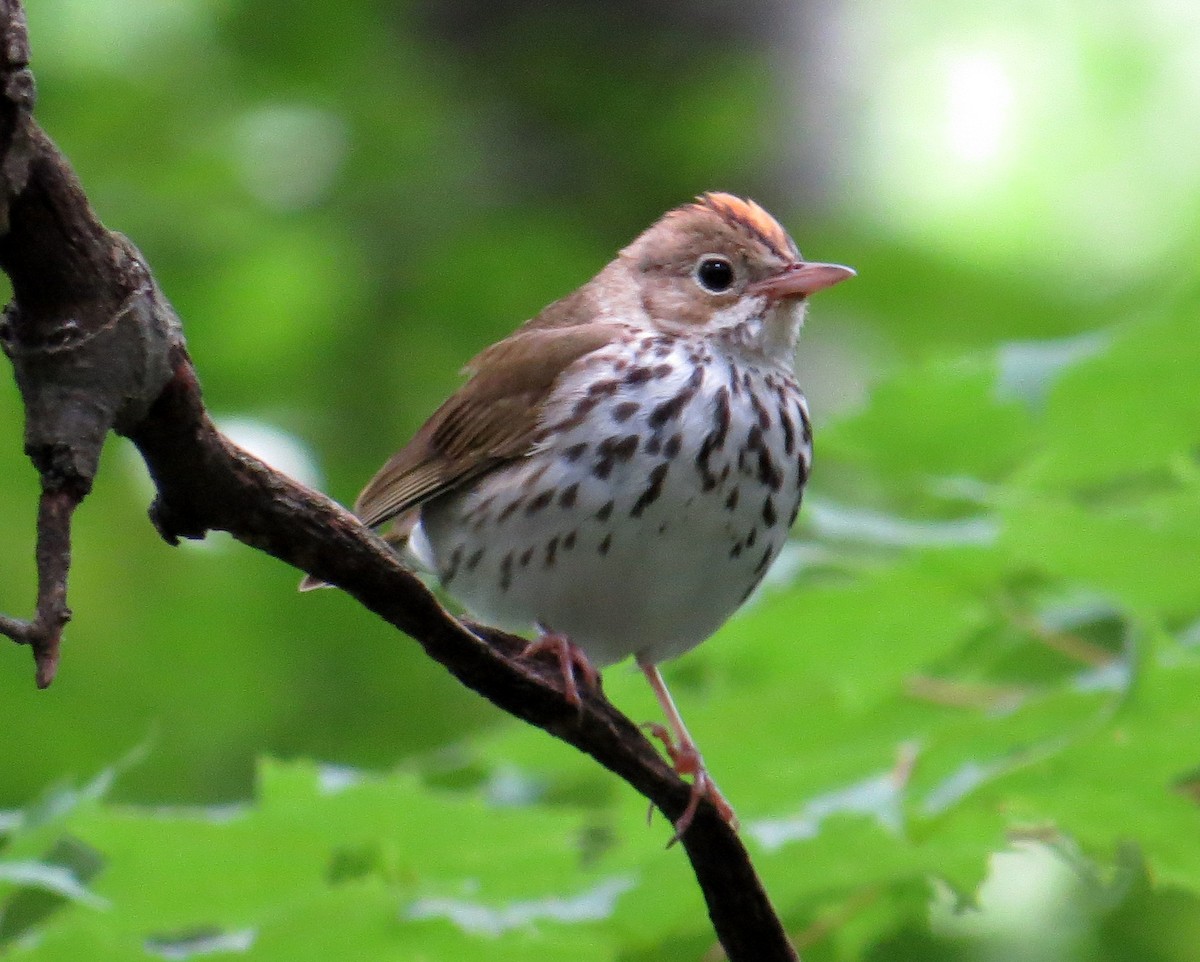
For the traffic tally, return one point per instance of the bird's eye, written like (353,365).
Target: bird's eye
(714,274)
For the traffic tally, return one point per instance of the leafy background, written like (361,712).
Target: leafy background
(961,720)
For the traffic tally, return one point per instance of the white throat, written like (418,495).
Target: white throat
(756,331)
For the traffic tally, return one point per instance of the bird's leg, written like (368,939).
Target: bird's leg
(684,755)
(571,658)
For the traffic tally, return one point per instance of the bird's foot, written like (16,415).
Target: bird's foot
(687,761)
(571,659)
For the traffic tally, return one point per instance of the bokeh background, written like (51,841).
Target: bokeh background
(346,201)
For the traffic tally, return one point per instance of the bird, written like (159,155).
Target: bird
(616,476)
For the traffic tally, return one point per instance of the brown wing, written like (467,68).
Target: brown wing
(489,420)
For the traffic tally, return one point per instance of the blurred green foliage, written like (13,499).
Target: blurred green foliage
(959,723)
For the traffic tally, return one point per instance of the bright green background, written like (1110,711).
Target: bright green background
(996,577)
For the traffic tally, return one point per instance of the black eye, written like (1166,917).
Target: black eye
(714,274)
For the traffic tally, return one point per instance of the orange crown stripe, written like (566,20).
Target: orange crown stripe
(753,218)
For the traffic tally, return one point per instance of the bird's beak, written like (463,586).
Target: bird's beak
(799,279)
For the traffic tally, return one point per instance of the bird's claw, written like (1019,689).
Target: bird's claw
(686,760)
(570,657)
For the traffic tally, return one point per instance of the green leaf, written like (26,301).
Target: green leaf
(1132,410)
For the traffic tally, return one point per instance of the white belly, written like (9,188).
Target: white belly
(642,527)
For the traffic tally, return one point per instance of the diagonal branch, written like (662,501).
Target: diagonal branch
(96,348)
(205,482)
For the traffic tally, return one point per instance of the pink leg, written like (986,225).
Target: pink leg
(684,755)
(570,659)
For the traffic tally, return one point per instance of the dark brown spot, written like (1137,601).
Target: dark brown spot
(473,561)
(605,544)
(663,370)
(732,500)
(575,451)
(653,490)
(671,448)
(805,426)
(583,407)
(670,409)
(506,572)
(751,537)
(764,418)
(754,437)
(603,388)
(768,513)
(569,541)
(789,431)
(482,506)
(569,493)
(802,467)
(638,375)
(715,439)
(662,528)
(605,510)
(626,448)
(551,551)
(612,450)
(765,560)
(509,510)
(523,561)
(736,550)
(769,472)
(721,416)
(452,568)
(795,514)
(530,480)
(653,444)
(624,411)
(542,499)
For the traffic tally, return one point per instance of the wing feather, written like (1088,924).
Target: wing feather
(490,420)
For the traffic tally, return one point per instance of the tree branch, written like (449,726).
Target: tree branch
(96,348)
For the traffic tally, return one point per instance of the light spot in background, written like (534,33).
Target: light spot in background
(1023,142)
(1031,906)
(595,904)
(125,37)
(879,795)
(201,943)
(333,779)
(288,155)
(837,522)
(1029,369)
(269,443)
(509,787)
(959,784)
(949,125)
(57,879)
(979,102)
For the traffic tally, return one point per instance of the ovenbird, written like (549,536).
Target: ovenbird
(619,473)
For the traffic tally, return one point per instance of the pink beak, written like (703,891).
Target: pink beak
(799,279)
